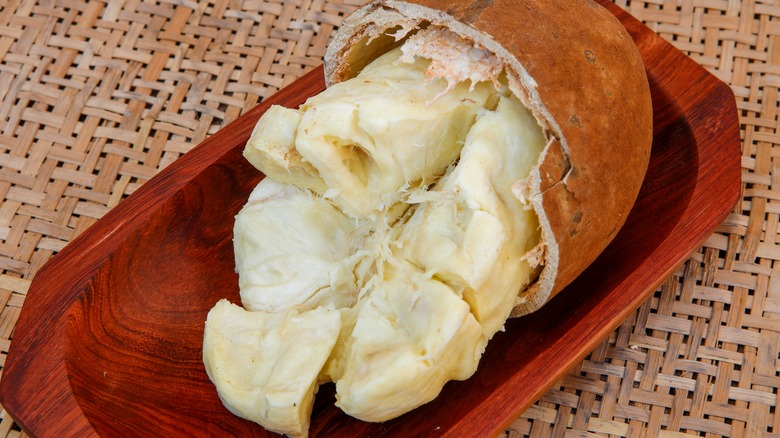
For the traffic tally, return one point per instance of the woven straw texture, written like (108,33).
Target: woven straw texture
(97,97)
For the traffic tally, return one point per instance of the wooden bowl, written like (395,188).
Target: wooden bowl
(109,339)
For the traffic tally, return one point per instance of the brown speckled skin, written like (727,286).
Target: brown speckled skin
(595,103)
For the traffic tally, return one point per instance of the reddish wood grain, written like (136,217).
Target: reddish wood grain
(109,339)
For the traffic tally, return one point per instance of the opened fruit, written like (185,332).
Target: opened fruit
(454,173)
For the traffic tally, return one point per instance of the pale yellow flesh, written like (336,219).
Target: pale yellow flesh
(265,365)
(412,335)
(371,137)
(421,259)
(294,248)
(474,231)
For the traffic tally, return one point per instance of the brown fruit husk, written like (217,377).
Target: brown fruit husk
(576,68)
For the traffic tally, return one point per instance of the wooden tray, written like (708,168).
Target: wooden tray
(109,339)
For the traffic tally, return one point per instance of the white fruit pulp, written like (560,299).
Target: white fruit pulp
(384,248)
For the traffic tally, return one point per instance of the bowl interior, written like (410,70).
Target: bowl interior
(134,336)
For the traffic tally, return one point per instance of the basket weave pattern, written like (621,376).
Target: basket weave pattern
(97,97)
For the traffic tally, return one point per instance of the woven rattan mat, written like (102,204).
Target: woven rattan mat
(97,97)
